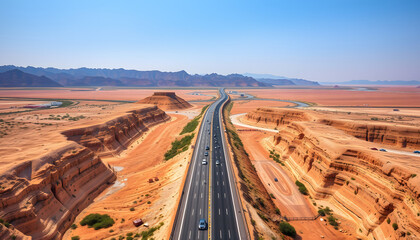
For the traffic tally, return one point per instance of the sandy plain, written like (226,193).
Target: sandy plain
(381,96)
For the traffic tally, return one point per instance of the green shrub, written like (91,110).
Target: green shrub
(321,212)
(132,209)
(388,221)
(332,221)
(129,234)
(272,196)
(178,146)
(192,125)
(302,188)
(287,229)
(129,238)
(97,221)
(73,226)
(147,234)
(278,211)
(75,238)
(395,226)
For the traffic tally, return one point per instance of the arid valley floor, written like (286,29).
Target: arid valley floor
(103,151)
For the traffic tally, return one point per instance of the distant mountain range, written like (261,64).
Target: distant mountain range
(17,78)
(368,82)
(122,77)
(279,80)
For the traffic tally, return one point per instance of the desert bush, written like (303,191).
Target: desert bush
(395,226)
(75,238)
(97,221)
(287,229)
(302,188)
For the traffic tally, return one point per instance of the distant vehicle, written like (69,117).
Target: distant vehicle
(138,222)
(417,151)
(214,135)
(207,148)
(206,154)
(373,148)
(396,109)
(202,224)
(382,150)
(204,162)
(217,162)
(276,180)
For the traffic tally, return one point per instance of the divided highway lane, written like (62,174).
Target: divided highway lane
(222,211)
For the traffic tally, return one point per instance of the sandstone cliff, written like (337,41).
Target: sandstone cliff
(166,101)
(114,136)
(42,197)
(368,185)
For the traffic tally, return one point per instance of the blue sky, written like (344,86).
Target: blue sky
(335,40)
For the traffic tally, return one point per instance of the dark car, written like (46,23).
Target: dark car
(417,151)
(372,148)
(207,148)
(206,154)
(382,150)
(276,180)
(202,224)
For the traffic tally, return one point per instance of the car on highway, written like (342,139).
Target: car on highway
(276,180)
(373,148)
(417,151)
(206,154)
(204,162)
(207,148)
(382,150)
(202,224)
(217,162)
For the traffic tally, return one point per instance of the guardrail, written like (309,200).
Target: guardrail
(289,219)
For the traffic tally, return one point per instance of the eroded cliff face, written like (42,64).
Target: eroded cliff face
(114,136)
(400,136)
(42,197)
(370,187)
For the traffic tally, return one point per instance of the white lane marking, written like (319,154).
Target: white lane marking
(223,183)
(224,194)
(192,212)
(222,173)
(196,183)
(227,212)
(229,233)
(195,195)
(192,175)
(217,173)
(198,235)
(200,211)
(218,195)
(189,235)
(220,234)
(201,195)
(217,183)
(219,211)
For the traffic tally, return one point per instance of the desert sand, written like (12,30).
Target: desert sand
(382,96)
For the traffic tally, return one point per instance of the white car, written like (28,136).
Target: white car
(204,162)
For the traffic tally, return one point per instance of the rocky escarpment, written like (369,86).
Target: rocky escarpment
(401,136)
(274,118)
(368,186)
(114,136)
(42,197)
(166,101)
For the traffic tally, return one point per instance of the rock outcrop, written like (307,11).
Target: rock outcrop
(166,101)
(114,136)
(332,163)
(42,197)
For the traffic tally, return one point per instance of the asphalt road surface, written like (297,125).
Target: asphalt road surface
(214,196)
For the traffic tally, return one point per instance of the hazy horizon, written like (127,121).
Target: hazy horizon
(324,41)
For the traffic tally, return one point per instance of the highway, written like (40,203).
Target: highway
(209,190)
